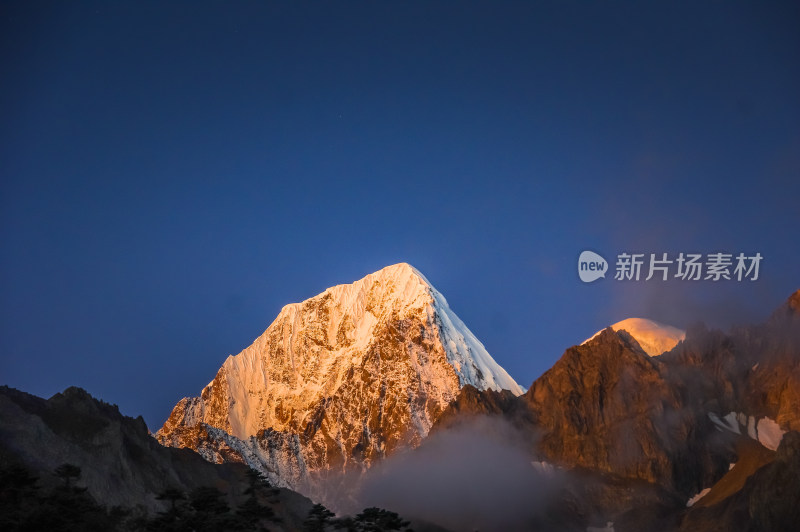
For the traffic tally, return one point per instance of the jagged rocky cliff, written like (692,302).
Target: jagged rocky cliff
(682,440)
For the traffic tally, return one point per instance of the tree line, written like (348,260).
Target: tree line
(26,506)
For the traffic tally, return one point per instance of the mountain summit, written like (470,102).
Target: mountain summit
(653,337)
(338,381)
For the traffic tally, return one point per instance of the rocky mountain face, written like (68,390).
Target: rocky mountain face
(670,442)
(120,463)
(337,382)
(609,406)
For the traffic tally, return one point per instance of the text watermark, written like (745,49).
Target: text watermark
(663,266)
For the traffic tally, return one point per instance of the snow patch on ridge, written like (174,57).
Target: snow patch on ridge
(691,502)
(729,422)
(764,430)
(769,433)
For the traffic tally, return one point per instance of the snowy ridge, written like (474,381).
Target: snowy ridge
(655,338)
(466,353)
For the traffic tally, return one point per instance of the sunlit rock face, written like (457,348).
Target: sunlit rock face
(651,434)
(338,381)
(607,405)
(671,419)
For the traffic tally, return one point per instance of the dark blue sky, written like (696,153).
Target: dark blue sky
(173,175)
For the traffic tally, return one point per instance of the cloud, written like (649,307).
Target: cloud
(477,475)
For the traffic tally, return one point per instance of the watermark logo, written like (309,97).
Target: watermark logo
(591,266)
(663,266)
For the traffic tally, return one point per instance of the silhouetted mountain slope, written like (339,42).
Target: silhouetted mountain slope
(121,464)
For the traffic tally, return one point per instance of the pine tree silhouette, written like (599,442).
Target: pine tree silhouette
(70,507)
(174,519)
(372,520)
(19,497)
(318,519)
(67,472)
(173,495)
(252,512)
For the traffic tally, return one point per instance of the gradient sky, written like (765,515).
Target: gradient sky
(172,175)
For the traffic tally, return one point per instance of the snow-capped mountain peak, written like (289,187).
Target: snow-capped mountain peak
(339,380)
(655,338)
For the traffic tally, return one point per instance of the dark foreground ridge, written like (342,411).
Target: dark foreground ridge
(73,462)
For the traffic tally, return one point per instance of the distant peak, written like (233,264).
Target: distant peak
(655,338)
